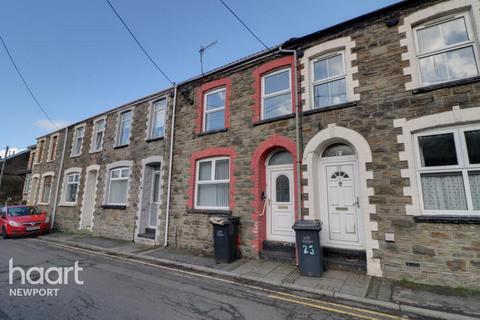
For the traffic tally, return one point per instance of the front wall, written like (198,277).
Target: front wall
(192,230)
(447,254)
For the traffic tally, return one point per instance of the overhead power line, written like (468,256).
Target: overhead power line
(138,42)
(26,84)
(244,24)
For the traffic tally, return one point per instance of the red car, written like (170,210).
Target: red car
(23,220)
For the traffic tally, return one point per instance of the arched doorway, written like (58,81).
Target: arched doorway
(339,189)
(280,201)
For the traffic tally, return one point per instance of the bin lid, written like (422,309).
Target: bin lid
(223,220)
(307,225)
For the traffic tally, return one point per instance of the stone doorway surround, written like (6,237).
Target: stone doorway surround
(311,190)
(143,197)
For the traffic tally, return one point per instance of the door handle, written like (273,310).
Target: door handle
(357,203)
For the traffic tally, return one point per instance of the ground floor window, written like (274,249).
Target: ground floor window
(71,189)
(47,188)
(118,186)
(212,183)
(448,165)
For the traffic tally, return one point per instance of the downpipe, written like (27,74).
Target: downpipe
(298,151)
(60,176)
(170,166)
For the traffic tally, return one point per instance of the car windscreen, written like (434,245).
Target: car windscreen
(22,211)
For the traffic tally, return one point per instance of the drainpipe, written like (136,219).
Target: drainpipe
(170,165)
(57,187)
(298,166)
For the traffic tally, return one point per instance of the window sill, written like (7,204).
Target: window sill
(209,212)
(206,133)
(114,206)
(72,156)
(96,151)
(448,219)
(155,139)
(121,147)
(42,204)
(446,85)
(64,204)
(264,121)
(332,107)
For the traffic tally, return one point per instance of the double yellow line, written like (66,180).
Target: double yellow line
(355,312)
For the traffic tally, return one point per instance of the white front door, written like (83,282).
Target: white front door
(341,204)
(89,200)
(154,199)
(280,203)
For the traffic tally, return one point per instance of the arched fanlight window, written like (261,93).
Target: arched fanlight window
(338,150)
(280,157)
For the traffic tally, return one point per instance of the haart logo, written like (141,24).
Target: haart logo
(42,276)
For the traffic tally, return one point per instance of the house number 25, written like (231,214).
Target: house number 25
(308,249)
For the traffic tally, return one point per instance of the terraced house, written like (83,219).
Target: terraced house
(371,126)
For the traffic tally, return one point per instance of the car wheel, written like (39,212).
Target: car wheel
(4,233)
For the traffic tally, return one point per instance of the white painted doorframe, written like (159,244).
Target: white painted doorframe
(324,213)
(287,234)
(153,209)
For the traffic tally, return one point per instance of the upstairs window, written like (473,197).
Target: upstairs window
(78,141)
(276,94)
(33,159)
(446,49)
(98,135)
(40,149)
(449,170)
(329,80)
(53,148)
(214,110)
(118,186)
(159,111)
(213,183)
(124,128)
(71,187)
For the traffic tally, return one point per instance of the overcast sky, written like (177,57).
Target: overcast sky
(80,61)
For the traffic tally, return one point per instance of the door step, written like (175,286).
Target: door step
(278,251)
(345,259)
(149,234)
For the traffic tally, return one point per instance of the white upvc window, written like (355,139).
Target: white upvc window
(52,150)
(71,187)
(212,185)
(78,136)
(98,135)
(276,94)
(26,185)
(159,112)
(329,84)
(214,109)
(46,189)
(40,151)
(448,169)
(118,186)
(124,128)
(446,49)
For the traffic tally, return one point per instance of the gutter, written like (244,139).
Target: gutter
(60,171)
(170,165)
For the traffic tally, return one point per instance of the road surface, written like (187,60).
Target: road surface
(117,289)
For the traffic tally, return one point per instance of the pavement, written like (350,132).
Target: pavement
(422,300)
